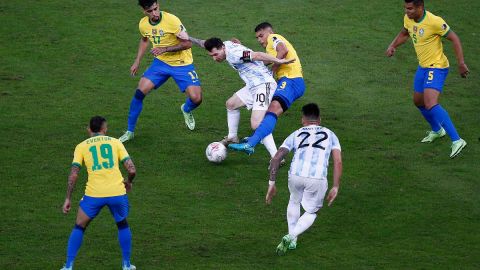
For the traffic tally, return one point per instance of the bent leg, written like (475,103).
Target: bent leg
(439,114)
(145,86)
(194,98)
(233,104)
(76,237)
(268,123)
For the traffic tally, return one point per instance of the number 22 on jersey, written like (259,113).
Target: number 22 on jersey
(316,144)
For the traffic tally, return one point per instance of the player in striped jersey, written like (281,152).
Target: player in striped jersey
(307,180)
(259,84)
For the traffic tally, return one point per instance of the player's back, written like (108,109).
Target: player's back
(101,156)
(292,70)
(312,146)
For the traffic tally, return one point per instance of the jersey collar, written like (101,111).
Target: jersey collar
(159,20)
(423,17)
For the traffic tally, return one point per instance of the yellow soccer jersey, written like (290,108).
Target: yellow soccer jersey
(164,34)
(102,155)
(426,36)
(293,70)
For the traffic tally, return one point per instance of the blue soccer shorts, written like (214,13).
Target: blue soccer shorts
(429,78)
(288,90)
(184,76)
(118,206)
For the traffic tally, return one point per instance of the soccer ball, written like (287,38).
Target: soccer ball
(216,152)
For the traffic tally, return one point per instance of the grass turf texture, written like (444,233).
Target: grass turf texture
(402,204)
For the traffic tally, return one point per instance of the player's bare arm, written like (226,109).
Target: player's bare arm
(261,56)
(401,38)
(457,47)
(282,52)
(142,48)
(337,173)
(132,172)
(183,45)
(197,41)
(72,179)
(274,165)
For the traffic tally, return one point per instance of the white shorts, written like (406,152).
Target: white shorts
(309,192)
(259,97)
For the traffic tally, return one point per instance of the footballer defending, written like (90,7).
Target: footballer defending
(173,58)
(101,155)
(290,84)
(259,84)
(307,177)
(426,31)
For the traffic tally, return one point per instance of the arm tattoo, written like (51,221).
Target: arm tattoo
(275,163)
(130,167)
(72,179)
(198,42)
(183,45)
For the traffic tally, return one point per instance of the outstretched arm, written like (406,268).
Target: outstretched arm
(72,179)
(142,48)
(261,56)
(401,38)
(198,42)
(282,52)
(184,44)
(337,173)
(274,165)
(457,47)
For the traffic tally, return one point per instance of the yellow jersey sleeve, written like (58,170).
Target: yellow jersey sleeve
(440,27)
(77,157)
(164,34)
(122,152)
(293,70)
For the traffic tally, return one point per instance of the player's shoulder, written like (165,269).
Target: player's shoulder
(169,17)
(276,37)
(143,21)
(432,18)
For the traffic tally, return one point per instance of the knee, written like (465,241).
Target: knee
(429,104)
(230,105)
(275,107)
(123,224)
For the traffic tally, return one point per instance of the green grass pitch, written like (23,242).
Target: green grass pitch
(402,204)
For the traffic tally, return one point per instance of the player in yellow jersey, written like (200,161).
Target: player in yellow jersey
(101,155)
(426,31)
(173,58)
(290,84)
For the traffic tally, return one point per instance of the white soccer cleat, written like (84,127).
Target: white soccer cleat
(127,136)
(432,135)
(189,120)
(132,267)
(66,268)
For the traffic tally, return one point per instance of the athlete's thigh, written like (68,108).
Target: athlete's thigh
(119,207)
(158,73)
(82,219)
(234,102)
(91,206)
(314,194)
(245,96)
(295,186)
(419,80)
(287,91)
(185,76)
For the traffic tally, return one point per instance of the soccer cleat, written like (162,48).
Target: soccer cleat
(66,268)
(242,147)
(189,120)
(127,136)
(457,147)
(132,267)
(244,140)
(226,141)
(432,135)
(293,245)
(284,244)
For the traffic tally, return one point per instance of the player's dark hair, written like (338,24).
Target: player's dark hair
(146,3)
(213,43)
(311,111)
(417,3)
(262,26)
(96,123)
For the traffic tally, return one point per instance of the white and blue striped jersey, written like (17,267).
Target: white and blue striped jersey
(312,146)
(253,73)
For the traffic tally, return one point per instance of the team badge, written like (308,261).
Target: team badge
(161,33)
(421,32)
(154,32)
(415,29)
